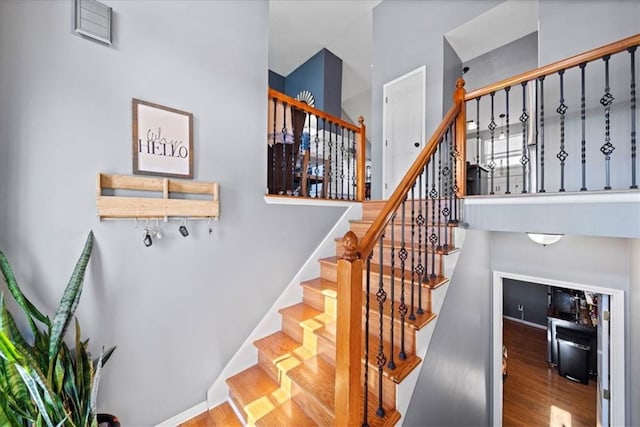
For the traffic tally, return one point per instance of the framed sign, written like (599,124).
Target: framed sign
(162,140)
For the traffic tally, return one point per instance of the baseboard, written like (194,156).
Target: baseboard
(524,322)
(184,416)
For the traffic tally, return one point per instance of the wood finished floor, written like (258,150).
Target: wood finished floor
(534,393)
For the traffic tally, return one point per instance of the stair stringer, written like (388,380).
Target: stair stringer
(405,389)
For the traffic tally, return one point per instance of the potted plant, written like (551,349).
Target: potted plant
(44,382)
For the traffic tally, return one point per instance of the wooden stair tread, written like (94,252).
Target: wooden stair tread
(317,377)
(390,418)
(218,416)
(432,283)
(308,317)
(287,414)
(277,345)
(386,243)
(326,287)
(403,367)
(251,385)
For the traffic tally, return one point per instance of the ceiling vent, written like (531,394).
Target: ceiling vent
(92,19)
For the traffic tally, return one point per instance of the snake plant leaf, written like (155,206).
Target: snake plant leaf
(69,302)
(8,351)
(8,418)
(35,394)
(29,309)
(96,382)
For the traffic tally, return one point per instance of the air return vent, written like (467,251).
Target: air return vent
(93,19)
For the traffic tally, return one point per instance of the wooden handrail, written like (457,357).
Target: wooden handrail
(376,229)
(312,110)
(564,64)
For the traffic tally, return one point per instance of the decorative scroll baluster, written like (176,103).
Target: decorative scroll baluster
(392,363)
(524,117)
(403,307)
(330,163)
(335,166)
(381,297)
(562,109)
(274,163)
(284,146)
(455,154)
(606,101)
(433,238)
(632,52)
(353,160)
(349,157)
(412,315)
(507,90)
(583,122)
(367,309)
(440,194)
(342,151)
(426,234)
(316,170)
(492,128)
(445,187)
(420,268)
(541,80)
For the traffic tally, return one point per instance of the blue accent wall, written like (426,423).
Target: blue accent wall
(322,76)
(276,81)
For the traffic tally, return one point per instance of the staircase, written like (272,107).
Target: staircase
(293,382)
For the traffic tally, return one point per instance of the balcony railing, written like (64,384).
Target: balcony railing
(313,154)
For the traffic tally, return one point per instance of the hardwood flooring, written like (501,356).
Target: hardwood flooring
(534,393)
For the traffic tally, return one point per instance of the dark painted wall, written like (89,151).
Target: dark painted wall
(532,297)
(276,81)
(332,83)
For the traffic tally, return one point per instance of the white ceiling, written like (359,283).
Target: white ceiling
(298,29)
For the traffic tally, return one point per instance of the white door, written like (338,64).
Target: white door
(403,126)
(603,361)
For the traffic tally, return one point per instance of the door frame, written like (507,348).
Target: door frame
(386,192)
(617,342)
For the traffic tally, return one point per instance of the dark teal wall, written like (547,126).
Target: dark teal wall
(276,81)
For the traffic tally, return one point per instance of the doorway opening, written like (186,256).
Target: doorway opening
(615,388)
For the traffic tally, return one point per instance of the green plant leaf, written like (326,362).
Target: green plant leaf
(68,303)
(29,309)
(35,394)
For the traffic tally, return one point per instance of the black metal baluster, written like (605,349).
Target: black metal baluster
(392,364)
(294,155)
(426,233)
(632,52)
(541,134)
(342,162)
(562,109)
(272,190)
(412,315)
(316,170)
(354,167)
(433,238)
(367,311)
(507,90)
(403,307)
(478,148)
(445,187)
(420,268)
(330,162)
(455,155)
(524,117)
(325,173)
(381,297)
(284,145)
(583,123)
(442,143)
(606,101)
(349,157)
(337,175)
(492,128)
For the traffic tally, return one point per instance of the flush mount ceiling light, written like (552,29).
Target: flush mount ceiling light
(545,239)
(471,125)
(502,116)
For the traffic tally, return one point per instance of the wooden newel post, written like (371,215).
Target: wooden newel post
(348,405)
(361,154)
(461,138)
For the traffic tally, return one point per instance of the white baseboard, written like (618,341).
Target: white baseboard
(192,412)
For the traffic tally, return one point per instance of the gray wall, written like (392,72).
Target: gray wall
(178,310)
(454,384)
(531,296)
(634,330)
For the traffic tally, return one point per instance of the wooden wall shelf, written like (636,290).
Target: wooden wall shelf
(122,196)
